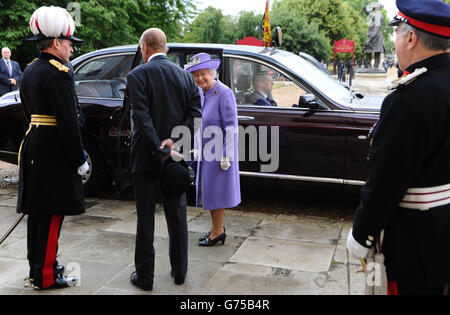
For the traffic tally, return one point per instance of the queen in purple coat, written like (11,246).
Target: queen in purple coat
(217,145)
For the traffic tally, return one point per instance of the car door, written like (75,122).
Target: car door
(310,141)
(100,83)
(12,127)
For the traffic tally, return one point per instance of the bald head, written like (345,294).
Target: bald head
(155,39)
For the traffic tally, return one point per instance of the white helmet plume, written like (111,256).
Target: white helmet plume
(52,22)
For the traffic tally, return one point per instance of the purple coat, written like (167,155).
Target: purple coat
(220,189)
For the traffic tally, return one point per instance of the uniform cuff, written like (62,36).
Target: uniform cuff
(354,248)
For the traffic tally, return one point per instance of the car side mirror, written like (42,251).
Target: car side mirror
(309,101)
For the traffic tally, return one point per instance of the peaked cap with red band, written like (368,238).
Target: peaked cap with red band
(432,16)
(52,22)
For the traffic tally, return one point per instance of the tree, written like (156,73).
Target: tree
(104,23)
(248,25)
(208,26)
(336,19)
(299,35)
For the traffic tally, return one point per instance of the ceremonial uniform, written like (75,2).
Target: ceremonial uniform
(407,193)
(49,185)
(50,155)
(408,188)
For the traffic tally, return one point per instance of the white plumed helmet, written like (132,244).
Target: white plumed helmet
(52,22)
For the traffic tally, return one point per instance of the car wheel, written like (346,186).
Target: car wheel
(96,179)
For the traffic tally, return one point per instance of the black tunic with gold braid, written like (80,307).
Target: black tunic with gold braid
(408,180)
(52,149)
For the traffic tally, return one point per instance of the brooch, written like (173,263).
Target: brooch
(193,62)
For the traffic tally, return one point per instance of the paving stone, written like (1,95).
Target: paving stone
(197,276)
(309,231)
(234,224)
(86,225)
(9,202)
(236,279)
(217,253)
(105,247)
(11,270)
(288,254)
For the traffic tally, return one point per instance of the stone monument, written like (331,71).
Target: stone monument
(374,41)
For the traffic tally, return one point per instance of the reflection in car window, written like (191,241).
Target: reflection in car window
(257,84)
(103,77)
(175,58)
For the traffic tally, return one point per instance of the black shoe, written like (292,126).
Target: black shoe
(204,237)
(210,242)
(146,285)
(60,269)
(60,282)
(179,280)
(63,282)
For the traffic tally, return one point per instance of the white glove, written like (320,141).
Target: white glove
(195,152)
(354,248)
(83,169)
(225,163)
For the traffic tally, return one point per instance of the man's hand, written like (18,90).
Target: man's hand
(83,169)
(177,157)
(168,143)
(13,81)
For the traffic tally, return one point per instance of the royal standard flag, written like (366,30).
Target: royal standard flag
(265,26)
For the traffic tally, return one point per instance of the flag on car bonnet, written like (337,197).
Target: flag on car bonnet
(265,26)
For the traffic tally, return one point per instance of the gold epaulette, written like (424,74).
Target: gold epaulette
(59,65)
(32,61)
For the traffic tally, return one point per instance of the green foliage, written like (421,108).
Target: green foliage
(299,35)
(208,26)
(104,23)
(248,25)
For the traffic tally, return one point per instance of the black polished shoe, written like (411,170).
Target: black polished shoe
(60,269)
(179,280)
(63,282)
(204,237)
(146,285)
(209,242)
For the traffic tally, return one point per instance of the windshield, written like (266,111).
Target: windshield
(315,77)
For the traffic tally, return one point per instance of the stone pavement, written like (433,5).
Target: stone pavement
(264,254)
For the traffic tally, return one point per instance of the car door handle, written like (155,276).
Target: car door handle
(246,118)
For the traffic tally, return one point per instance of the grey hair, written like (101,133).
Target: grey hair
(430,41)
(213,72)
(45,43)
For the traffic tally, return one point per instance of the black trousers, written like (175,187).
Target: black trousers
(42,244)
(146,190)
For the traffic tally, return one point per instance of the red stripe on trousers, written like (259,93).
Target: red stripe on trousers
(392,288)
(48,277)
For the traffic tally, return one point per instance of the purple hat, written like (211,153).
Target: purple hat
(202,61)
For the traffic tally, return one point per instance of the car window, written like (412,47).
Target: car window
(103,77)
(256,84)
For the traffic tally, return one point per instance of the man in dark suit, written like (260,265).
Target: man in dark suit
(263,90)
(10,73)
(162,96)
